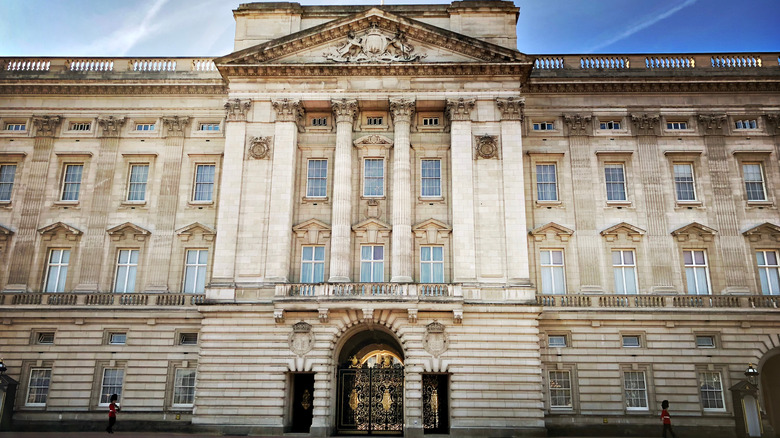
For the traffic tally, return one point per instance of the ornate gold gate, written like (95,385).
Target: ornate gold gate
(371,400)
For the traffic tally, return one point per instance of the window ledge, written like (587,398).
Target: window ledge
(763,203)
(315,199)
(433,199)
(618,203)
(201,204)
(548,203)
(65,204)
(369,198)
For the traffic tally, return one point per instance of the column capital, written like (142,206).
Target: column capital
(645,124)
(175,125)
(344,110)
(512,108)
(773,125)
(577,124)
(287,110)
(112,126)
(46,125)
(402,109)
(237,109)
(712,124)
(460,109)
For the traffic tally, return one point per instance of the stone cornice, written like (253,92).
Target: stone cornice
(397,69)
(512,108)
(712,124)
(704,85)
(402,110)
(111,126)
(344,110)
(460,109)
(45,126)
(645,124)
(111,89)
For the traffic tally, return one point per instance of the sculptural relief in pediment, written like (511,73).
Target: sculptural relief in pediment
(374,45)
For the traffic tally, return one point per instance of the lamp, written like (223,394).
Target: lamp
(751,373)
(3,368)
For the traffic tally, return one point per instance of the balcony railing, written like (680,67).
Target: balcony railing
(369,290)
(658,61)
(107,65)
(101,299)
(661,301)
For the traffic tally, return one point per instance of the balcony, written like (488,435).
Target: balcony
(370,290)
(760,302)
(68,299)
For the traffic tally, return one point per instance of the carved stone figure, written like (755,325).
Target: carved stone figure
(374,46)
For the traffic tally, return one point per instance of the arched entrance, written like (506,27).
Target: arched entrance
(770,388)
(370,384)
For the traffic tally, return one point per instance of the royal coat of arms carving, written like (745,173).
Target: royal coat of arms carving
(301,339)
(374,46)
(435,340)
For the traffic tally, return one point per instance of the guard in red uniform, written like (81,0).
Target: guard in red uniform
(112,410)
(666,418)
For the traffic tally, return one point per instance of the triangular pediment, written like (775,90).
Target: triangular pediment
(51,231)
(371,223)
(767,230)
(632,232)
(552,229)
(312,231)
(373,38)
(371,230)
(431,231)
(5,233)
(186,232)
(118,232)
(694,230)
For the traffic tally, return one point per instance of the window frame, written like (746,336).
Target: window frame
(570,406)
(131,183)
(638,337)
(174,386)
(431,263)
(438,179)
(10,183)
(557,335)
(196,184)
(6,126)
(677,125)
(373,262)
(695,266)
(29,388)
(543,126)
(102,386)
(623,267)
(309,178)
(129,265)
(152,127)
(365,178)
(551,266)
(110,338)
(768,268)
(49,265)
(645,390)
(692,182)
(745,182)
(197,265)
(313,262)
(64,182)
(209,124)
(611,125)
(554,183)
(623,183)
(699,381)
(697,336)
(754,121)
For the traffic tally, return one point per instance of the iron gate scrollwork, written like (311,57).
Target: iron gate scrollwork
(371,400)
(435,399)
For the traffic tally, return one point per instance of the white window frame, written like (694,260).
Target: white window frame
(543,126)
(310,178)
(623,339)
(15,127)
(6,182)
(431,121)
(182,337)
(319,121)
(640,389)
(712,344)
(762,181)
(209,127)
(145,127)
(58,266)
(436,180)
(696,267)
(620,269)
(177,385)
(137,184)
(375,120)
(373,264)
(80,126)
(676,125)
(552,266)
(610,125)
(43,335)
(609,184)
(106,394)
(69,184)
(745,124)
(559,388)
(199,186)
(553,183)
(112,341)
(30,387)
(199,267)
(564,344)
(700,378)
(682,179)
(771,285)
(309,265)
(431,264)
(130,267)
(367,178)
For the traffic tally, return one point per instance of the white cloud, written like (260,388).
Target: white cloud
(124,38)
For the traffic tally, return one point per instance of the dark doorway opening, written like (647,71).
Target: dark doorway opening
(303,401)
(436,396)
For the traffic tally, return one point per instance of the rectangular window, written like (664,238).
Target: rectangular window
(556,341)
(204,182)
(711,390)
(7,176)
(38,387)
(430,121)
(676,125)
(635,390)
(184,387)
(705,341)
(136,188)
(80,126)
(117,338)
(624,268)
(546,183)
(768,272)
(144,126)
(612,124)
(313,264)
(696,272)
(746,124)
(15,126)
(44,338)
(126,268)
(195,271)
(111,383)
(754,182)
(553,279)
(57,270)
(431,264)
(71,182)
(560,390)
(188,339)
(209,127)
(431,178)
(631,341)
(543,126)
(374,121)
(372,264)
(374,177)
(615,177)
(683,182)
(319,121)
(317,179)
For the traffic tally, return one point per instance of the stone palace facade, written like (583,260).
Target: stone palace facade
(387,220)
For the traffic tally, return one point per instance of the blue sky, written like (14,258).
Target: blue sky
(206,27)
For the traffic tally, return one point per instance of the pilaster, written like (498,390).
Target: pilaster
(222,282)
(344,112)
(464,254)
(26,235)
(730,242)
(99,202)
(167,203)
(516,234)
(288,112)
(402,270)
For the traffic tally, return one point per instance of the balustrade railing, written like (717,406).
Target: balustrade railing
(661,301)
(657,62)
(109,65)
(101,299)
(363,290)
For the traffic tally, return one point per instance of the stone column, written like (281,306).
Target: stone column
(344,112)
(167,203)
(26,235)
(95,236)
(285,152)
(223,272)
(517,271)
(730,242)
(660,246)
(463,246)
(589,246)
(403,256)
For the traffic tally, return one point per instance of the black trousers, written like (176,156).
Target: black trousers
(111,422)
(669,428)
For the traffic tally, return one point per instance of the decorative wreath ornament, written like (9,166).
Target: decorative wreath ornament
(259,147)
(487,146)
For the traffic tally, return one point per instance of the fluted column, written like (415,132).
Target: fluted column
(516,234)
(463,247)
(26,235)
(288,111)
(95,236)
(224,263)
(402,111)
(167,203)
(344,112)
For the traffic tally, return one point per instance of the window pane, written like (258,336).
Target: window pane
(7,175)
(615,180)
(438,253)
(319,273)
(365,272)
(630,280)
(545,257)
(619,281)
(547,281)
(425,273)
(379,269)
(437,274)
(379,252)
(307,253)
(559,283)
(701,281)
(557,257)
(431,177)
(425,253)
(698,257)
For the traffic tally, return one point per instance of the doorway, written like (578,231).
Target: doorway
(770,388)
(435,388)
(303,401)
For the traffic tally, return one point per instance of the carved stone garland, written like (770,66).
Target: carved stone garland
(301,340)
(486,146)
(435,340)
(260,147)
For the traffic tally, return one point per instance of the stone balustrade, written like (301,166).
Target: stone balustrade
(656,62)
(764,302)
(369,290)
(107,65)
(100,299)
